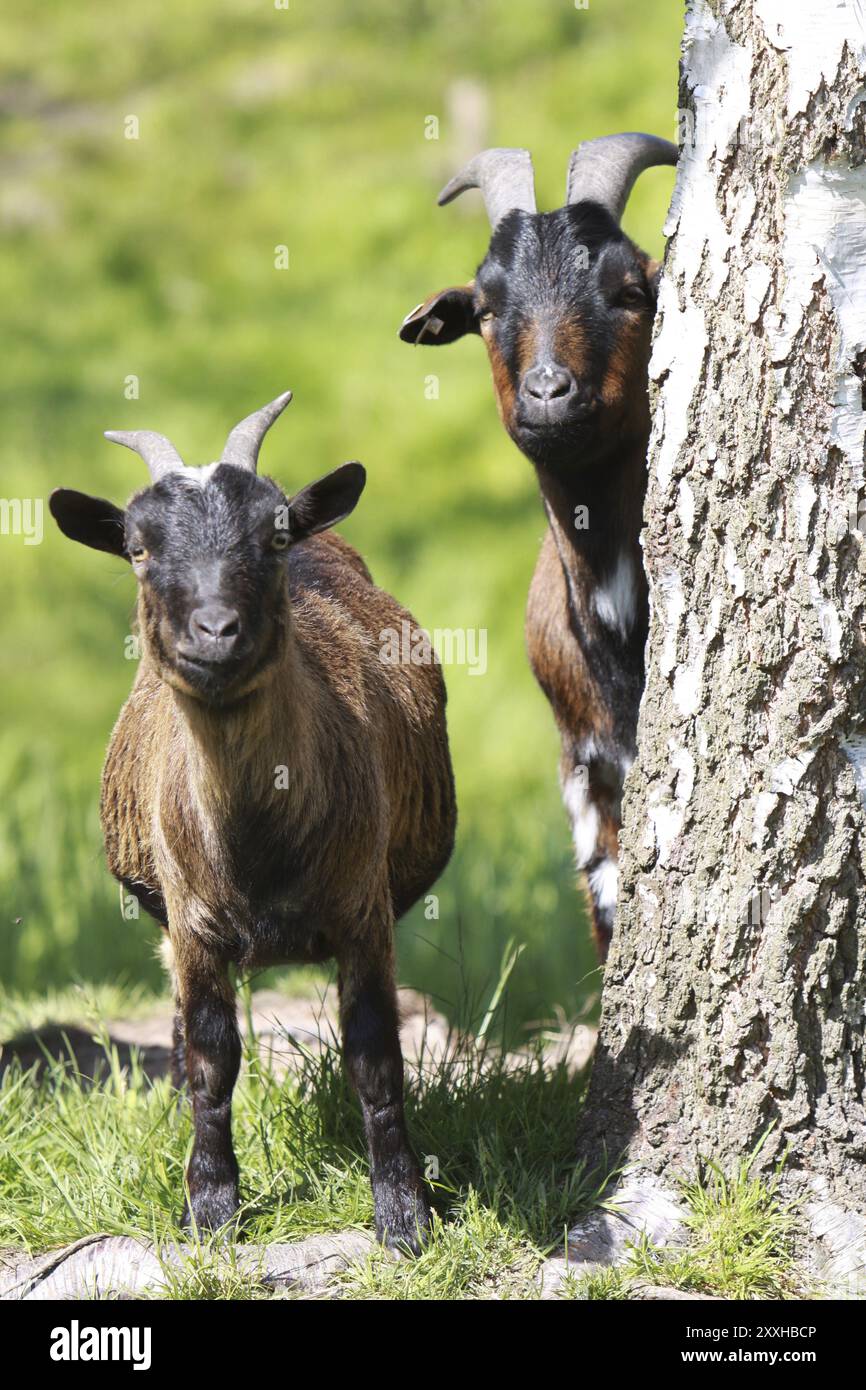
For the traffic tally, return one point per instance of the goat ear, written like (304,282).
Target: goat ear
(443,318)
(653,271)
(327,501)
(91,520)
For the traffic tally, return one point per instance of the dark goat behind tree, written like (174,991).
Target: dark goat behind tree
(275,790)
(564,302)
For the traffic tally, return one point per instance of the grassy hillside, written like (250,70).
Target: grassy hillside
(154,258)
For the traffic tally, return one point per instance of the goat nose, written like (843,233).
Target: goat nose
(548,383)
(215,622)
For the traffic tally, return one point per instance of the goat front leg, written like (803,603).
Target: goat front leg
(592,798)
(213,1054)
(374,1062)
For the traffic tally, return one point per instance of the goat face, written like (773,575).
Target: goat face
(210,561)
(208,547)
(565,303)
(563,300)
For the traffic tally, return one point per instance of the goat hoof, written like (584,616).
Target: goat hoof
(403,1220)
(210,1208)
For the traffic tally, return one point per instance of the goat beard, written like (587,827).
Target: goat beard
(214,692)
(569,452)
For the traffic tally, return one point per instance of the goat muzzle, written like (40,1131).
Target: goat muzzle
(550,395)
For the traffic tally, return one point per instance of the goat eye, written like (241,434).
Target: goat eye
(280,540)
(632,297)
(139,553)
(486,315)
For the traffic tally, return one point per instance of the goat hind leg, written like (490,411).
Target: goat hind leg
(374,1062)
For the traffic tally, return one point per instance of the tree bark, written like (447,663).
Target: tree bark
(735,992)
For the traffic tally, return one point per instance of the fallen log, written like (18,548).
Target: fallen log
(102,1266)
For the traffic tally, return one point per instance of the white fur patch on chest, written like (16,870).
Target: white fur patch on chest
(615,599)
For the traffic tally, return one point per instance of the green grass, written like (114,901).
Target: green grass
(109,1157)
(740,1243)
(209,1271)
(741,1239)
(611,1285)
(155,258)
(479,1256)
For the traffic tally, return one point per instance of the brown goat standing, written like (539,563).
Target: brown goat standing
(275,791)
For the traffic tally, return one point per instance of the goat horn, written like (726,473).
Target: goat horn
(243,444)
(604,170)
(505,179)
(159,453)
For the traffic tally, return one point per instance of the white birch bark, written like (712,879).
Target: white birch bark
(735,992)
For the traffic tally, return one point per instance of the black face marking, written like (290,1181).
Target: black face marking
(565,302)
(209,549)
(562,297)
(213,579)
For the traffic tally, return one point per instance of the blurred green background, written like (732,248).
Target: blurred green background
(154,257)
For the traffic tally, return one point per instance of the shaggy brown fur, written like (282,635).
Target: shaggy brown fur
(190,805)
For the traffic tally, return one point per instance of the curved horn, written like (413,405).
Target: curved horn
(505,179)
(604,170)
(243,444)
(159,453)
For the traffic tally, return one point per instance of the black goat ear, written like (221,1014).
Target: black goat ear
(443,318)
(324,503)
(91,520)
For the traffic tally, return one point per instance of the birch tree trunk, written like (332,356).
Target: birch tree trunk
(735,991)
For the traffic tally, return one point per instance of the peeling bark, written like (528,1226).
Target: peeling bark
(735,991)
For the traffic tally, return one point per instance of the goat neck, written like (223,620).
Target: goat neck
(593,554)
(233,753)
